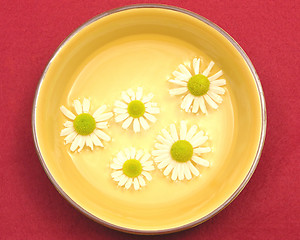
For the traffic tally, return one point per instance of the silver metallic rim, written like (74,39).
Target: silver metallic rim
(242,185)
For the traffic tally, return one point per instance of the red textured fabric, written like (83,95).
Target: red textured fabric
(31,208)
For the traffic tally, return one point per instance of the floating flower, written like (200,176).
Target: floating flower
(177,153)
(135,109)
(84,129)
(131,167)
(199,87)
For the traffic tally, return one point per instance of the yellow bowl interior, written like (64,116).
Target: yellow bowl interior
(142,47)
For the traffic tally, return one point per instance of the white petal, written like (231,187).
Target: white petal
(132,153)
(75,143)
(192,168)
(152,110)
(136,184)
(86,105)
(200,150)
(81,143)
(96,140)
(191,133)
(144,123)
(122,180)
(210,101)
(128,183)
(218,83)
(198,140)
(115,166)
(68,124)
(67,131)
(136,125)
(147,163)
(202,105)
(121,157)
(161,146)
(207,70)
(101,125)
(147,175)
(160,152)
(121,104)
(131,94)
(167,135)
(187,101)
(178,82)
(102,135)
(196,104)
(217,90)
(173,132)
(145,158)
(183,130)
(196,65)
(216,76)
(214,96)
(180,75)
(178,91)
(119,178)
(117,161)
(141,181)
(186,171)
(175,173)
(125,97)
(104,116)
(150,117)
(120,110)
(139,154)
(127,153)
(150,104)
(117,174)
(121,117)
(67,113)
(184,100)
(163,164)
(148,168)
(89,142)
(185,71)
(168,169)
(147,98)
(200,161)
(139,93)
(127,123)
(162,157)
(180,172)
(70,138)
(99,111)
(78,107)
(163,140)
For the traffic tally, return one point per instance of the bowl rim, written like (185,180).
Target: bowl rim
(237,191)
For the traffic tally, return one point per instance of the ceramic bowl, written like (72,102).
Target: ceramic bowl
(141,45)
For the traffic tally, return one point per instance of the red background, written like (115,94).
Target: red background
(31,208)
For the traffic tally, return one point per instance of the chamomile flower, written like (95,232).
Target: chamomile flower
(131,167)
(84,129)
(135,109)
(177,154)
(197,87)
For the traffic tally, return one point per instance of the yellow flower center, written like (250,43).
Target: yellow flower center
(132,168)
(136,108)
(182,151)
(198,85)
(84,124)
